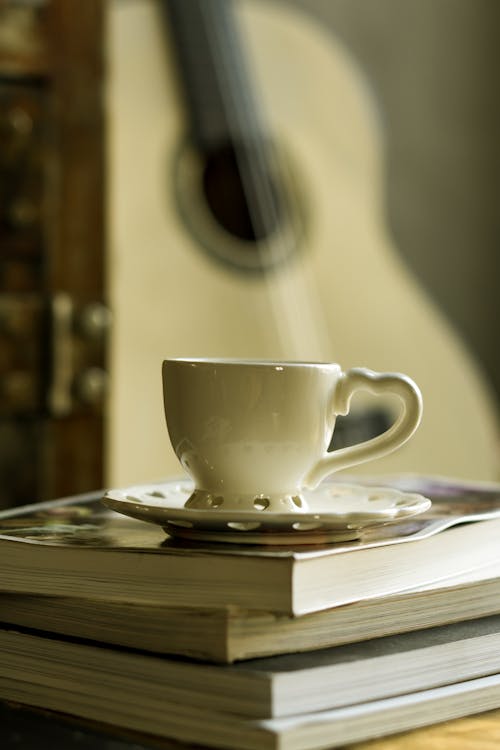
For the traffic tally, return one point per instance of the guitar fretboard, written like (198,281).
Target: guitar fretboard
(213,73)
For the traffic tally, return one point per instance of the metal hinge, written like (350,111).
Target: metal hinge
(77,376)
(52,355)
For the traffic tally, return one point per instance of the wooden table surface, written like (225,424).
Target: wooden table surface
(31,729)
(479,732)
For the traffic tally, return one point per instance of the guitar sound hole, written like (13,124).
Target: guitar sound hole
(238,209)
(240,194)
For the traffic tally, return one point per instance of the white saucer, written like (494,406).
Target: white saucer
(335,513)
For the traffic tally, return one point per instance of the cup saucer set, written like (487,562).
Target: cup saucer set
(253,437)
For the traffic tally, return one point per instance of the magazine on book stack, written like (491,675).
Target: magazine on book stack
(70,577)
(77,547)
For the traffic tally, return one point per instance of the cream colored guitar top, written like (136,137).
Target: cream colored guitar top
(347,297)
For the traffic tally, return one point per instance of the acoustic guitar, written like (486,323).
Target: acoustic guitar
(246,220)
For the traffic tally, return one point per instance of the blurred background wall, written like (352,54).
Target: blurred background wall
(434,67)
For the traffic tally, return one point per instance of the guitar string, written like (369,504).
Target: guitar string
(291,304)
(294,301)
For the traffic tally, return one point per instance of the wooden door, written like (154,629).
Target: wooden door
(53,320)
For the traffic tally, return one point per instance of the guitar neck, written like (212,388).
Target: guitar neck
(213,73)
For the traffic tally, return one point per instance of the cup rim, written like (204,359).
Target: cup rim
(232,361)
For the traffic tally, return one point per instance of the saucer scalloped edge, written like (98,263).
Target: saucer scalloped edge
(333,513)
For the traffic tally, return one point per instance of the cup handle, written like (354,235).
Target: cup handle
(402,429)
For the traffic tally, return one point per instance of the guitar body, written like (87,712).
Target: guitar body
(345,296)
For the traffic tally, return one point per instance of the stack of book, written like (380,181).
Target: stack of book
(108,619)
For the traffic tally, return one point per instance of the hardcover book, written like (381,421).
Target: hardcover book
(230,634)
(271,687)
(279,704)
(76,547)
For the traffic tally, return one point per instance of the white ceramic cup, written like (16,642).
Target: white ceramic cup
(253,434)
